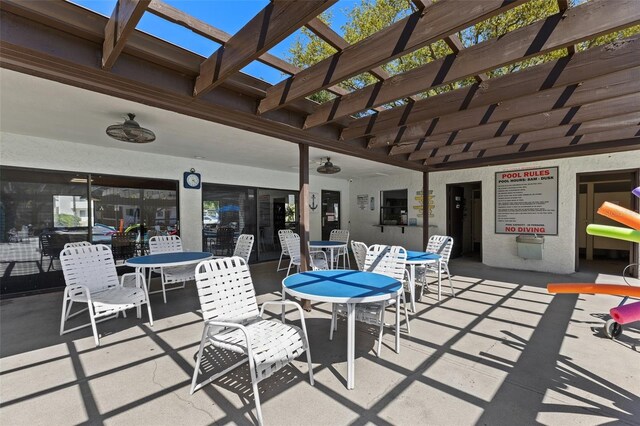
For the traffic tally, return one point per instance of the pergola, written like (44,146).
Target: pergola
(583,103)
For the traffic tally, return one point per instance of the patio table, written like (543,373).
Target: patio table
(348,287)
(331,245)
(420,258)
(160,260)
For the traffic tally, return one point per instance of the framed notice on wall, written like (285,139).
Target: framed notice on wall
(527,201)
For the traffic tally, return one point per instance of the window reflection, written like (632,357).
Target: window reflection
(40,211)
(227,211)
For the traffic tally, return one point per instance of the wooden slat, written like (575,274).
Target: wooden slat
(555,32)
(571,151)
(631,132)
(269,27)
(171,14)
(123,21)
(34,48)
(334,39)
(560,105)
(453,41)
(613,122)
(601,60)
(417,30)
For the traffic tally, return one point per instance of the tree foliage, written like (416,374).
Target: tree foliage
(371,16)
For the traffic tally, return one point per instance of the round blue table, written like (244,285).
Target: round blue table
(331,245)
(348,287)
(160,260)
(420,258)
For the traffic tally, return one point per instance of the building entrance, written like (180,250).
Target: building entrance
(464,219)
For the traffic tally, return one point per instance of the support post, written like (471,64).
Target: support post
(425,209)
(304,207)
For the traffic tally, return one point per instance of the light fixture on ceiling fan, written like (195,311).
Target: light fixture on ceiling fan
(327,168)
(130,131)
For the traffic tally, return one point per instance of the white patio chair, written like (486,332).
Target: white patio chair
(359,250)
(385,260)
(284,251)
(442,245)
(77,244)
(317,259)
(173,277)
(341,235)
(292,243)
(232,322)
(243,247)
(90,276)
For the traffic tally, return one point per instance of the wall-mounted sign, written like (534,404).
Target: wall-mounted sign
(527,201)
(420,203)
(362,201)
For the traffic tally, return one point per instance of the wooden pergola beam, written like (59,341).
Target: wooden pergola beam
(171,14)
(453,41)
(619,55)
(176,16)
(45,46)
(124,18)
(576,130)
(561,105)
(336,41)
(417,30)
(626,133)
(270,26)
(553,33)
(572,151)
(563,6)
(542,122)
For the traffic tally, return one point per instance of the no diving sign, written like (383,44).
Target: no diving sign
(527,201)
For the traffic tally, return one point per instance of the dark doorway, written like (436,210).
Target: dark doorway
(330,212)
(599,254)
(464,219)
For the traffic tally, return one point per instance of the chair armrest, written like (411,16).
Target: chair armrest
(143,281)
(283,302)
(212,323)
(77,290)
(289,302)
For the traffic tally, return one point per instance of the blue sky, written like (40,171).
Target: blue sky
(227,15)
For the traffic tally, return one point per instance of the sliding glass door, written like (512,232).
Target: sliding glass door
(42,210)
(228,211)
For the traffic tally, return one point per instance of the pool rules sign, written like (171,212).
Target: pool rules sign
(527,201)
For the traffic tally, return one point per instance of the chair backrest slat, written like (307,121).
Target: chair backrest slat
(442,245)
(91,266)
(165,244)
(282,233)
(360,253)
(77,244)
(386,260)
(226,290)
(341,235)
(244,246)
(292,242)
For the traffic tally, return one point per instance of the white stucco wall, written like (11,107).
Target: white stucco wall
(498,249)
(39,153)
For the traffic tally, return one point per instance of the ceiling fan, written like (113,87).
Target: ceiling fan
(328,168)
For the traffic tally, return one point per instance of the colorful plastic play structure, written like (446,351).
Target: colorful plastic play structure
(623,313)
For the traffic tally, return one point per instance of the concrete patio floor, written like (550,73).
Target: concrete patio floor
(503,352)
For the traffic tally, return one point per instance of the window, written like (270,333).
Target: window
(393,208)
(41,210)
